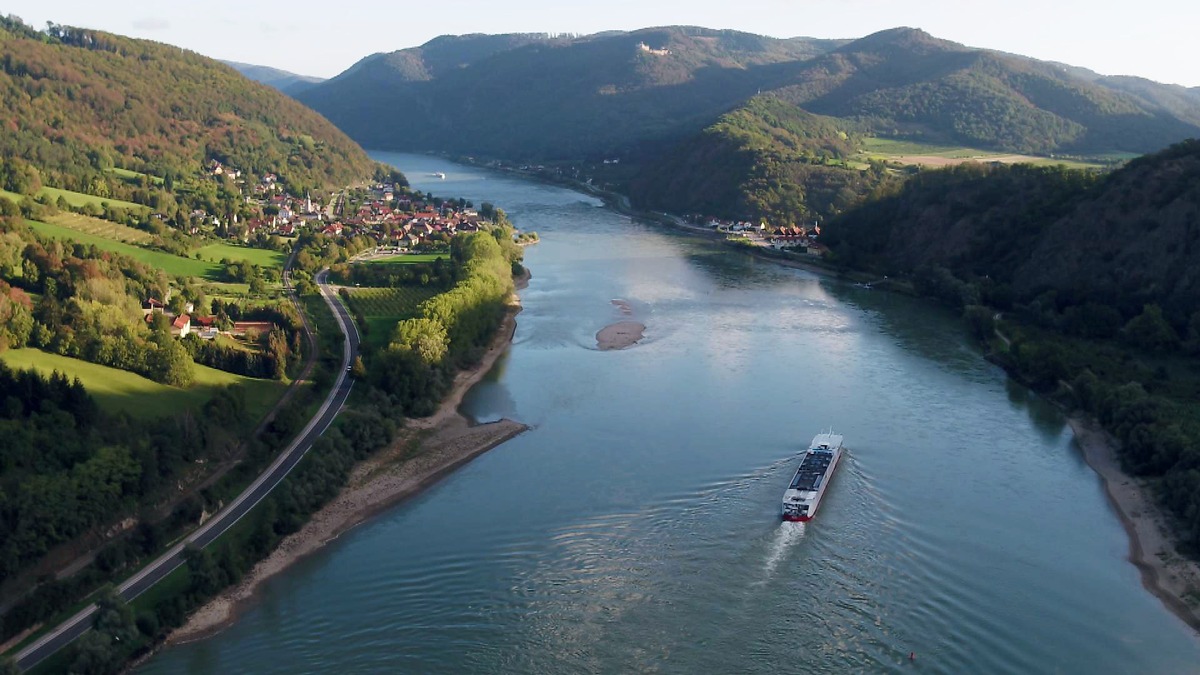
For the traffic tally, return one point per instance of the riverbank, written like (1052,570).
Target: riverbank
(1173,579)
(423,452)
(621,204)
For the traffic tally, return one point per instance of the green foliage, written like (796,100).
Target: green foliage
(452,327)
(767,160)
(1084,251)
(80,102)
(425,337)
(1149,330)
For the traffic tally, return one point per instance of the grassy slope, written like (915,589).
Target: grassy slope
(101,228)
(133,176)
(257,256)
(171,264)
(122,391)
(910,152)
(406,259)
(75,199)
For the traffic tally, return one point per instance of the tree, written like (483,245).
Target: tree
(357,370)
(424,337)
(1150,330)
(169,361)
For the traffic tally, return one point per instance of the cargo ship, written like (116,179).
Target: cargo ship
(803,496)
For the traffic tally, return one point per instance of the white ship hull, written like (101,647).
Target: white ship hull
(808,486)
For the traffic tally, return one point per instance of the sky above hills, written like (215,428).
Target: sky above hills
(1150,38)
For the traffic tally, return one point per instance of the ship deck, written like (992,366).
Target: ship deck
(812,469)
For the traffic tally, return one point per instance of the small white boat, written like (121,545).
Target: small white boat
(804,493)
(439,174)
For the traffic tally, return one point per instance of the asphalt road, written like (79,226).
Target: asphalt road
(233,512)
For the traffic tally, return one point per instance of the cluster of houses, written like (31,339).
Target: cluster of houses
(399,223)
(204,327)
(790,237)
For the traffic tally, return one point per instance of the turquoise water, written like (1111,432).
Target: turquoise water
(635,527)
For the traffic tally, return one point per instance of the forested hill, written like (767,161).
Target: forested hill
(537,96)
(1050,236)
(289,83)
(768,159)
(75,99)
(527,96)
(906,82)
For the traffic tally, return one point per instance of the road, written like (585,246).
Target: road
(232,513)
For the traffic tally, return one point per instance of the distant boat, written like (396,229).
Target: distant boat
(803,496)
(439,174)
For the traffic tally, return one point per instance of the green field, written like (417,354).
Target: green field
(80,199)
(384,307)
(256,256)
(171,264)
(134,176)
(406,259)
(75,199)
(122,391)
(100,228)
(930,154)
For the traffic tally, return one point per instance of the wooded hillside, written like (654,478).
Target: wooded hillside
(75,99)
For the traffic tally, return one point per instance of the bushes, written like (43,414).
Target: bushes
(452,327)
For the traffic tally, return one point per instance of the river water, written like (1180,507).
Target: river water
(636,528)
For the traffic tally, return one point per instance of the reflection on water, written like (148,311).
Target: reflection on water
(636,527)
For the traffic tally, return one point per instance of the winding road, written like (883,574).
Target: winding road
(217,525)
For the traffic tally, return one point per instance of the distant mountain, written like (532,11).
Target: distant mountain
(76,100)
(541,96)
(525,96)
(906,82)
(1125,239)
(289,83)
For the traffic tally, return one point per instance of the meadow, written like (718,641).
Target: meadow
(405,259)
(100,228)
(171,264)
(934,155)
(120,391)
(255,256)
(134,176)
(76,199)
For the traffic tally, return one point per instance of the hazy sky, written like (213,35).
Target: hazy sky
(1151,38)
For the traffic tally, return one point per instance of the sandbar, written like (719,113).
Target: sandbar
(1174,579)
(620,335)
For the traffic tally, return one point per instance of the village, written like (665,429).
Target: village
(399,220)
(793,238)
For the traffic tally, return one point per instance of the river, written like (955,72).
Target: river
(636,527)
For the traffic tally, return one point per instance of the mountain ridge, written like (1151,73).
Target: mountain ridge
(286,82)
(629,91)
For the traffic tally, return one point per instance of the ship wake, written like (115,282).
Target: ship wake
(788,535)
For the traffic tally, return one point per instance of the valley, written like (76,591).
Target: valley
(229,334)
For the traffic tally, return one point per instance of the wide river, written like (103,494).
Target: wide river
(636,526)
